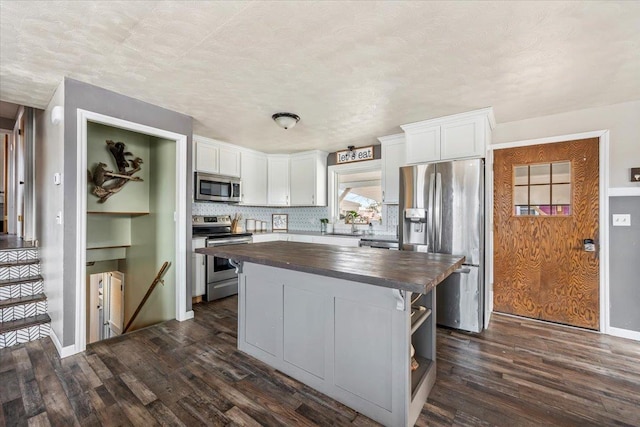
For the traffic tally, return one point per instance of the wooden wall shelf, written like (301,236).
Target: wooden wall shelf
(117,213)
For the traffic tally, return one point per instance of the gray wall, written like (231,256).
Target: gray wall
(7,124)
(98,100)
(624,265)
(49,160)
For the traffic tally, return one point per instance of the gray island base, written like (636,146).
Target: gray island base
(347,334)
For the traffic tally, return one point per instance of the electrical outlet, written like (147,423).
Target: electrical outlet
(621,220)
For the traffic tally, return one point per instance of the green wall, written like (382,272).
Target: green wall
(153,242)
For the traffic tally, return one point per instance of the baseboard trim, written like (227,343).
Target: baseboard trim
(624,333)
(62,351)
(186,316)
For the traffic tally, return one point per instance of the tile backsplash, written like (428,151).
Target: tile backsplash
(300,218)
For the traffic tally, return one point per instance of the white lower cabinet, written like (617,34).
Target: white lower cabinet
(300,238)
(269,237)
(198,269)
(307,238)
(338,241)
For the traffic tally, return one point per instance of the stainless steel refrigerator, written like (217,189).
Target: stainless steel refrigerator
(442,211)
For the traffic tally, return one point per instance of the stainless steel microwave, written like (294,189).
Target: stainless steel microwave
(217,188)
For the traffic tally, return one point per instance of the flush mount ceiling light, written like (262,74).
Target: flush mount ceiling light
(286,120)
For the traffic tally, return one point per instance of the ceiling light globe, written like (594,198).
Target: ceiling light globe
(286,120)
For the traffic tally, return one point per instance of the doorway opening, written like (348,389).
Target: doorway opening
(547,214)
(139,229)
(105,317)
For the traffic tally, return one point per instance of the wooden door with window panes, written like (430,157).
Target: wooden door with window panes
(546,217)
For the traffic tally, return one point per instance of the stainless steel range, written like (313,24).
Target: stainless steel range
(222,280)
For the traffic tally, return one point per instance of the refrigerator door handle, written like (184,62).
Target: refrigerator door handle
(438,213)
(430,225)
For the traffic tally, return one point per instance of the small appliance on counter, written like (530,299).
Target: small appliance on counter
(221,277)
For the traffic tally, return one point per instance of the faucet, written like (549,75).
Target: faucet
(352,215)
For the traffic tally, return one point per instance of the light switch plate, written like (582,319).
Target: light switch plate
(621,220)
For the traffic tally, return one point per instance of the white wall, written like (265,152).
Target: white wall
(622,120)
(49,159)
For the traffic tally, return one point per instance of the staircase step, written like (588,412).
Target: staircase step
(26,306)
(19,262)
(24,323)
(11,302)
(18,254)
(16,288)
(14,270)
(29,279)
(24,330)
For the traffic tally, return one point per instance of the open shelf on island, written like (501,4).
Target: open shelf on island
(418,316)
(419,375)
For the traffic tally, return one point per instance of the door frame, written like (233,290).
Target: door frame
(603,181)
(180,217)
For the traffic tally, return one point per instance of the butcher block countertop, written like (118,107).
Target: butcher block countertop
(410,271)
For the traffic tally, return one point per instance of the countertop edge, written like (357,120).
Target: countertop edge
(361,278)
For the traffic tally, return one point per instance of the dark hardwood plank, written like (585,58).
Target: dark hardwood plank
(14,412)
(517,373)
(238,417)
(40,420)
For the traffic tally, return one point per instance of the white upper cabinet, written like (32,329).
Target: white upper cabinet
(463,138)
(423,144)
(308,176)
(393,158)
(254,178)
(215,157)
(464,135)
(205,157)
(278,180)
(229,161)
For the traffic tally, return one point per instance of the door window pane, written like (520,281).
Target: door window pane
(540,195)
(540,174)
(521,175)
(542,189)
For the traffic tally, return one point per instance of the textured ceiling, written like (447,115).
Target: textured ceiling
(351,70)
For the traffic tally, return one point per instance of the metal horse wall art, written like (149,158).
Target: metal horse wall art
(107,183)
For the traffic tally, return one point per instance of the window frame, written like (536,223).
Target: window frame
(333,181)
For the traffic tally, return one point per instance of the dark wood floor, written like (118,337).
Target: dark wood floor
(517,373)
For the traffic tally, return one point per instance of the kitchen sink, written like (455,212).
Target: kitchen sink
(357,234)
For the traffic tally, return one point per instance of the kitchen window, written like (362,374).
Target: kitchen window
(355,190)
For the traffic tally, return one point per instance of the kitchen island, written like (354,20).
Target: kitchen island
(343,320)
